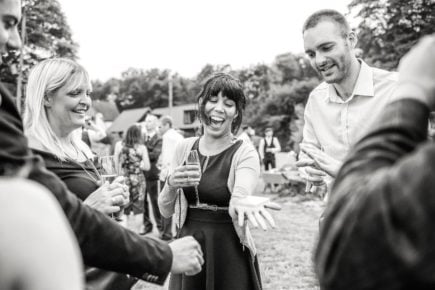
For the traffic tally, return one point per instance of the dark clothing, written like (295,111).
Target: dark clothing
(227,264)
(164,225)
(72,174)
(82,179)
(379,227)
(269,157)
(154,146)
(97,235)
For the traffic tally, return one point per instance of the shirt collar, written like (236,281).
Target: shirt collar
(363,85)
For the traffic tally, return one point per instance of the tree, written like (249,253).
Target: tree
(47,35)
(389,28)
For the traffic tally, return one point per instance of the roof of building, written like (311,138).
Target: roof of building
(108,109)
(128,118)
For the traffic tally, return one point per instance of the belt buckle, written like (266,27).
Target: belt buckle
(213,207)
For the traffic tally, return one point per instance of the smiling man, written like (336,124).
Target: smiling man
(339,110)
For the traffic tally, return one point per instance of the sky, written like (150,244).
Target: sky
(185,35)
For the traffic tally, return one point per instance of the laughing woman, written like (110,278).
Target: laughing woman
(215,213)
(57,100)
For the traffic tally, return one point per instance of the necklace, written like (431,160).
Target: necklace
(97,180)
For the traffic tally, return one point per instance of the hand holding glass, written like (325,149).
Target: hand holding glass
(193,159)
(109,171)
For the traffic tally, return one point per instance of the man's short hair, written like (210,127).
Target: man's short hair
(167,120)
(268,129)
(327,15)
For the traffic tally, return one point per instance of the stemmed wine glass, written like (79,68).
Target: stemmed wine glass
(193,159)
(109,171)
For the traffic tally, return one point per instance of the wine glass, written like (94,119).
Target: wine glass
(193,159)
(109,171)
(108,168)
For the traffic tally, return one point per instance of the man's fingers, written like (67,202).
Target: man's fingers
(313,171)
(305,162)
(112,209)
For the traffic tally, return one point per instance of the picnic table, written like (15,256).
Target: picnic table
(277,179)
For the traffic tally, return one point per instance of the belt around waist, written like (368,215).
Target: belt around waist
(211,207)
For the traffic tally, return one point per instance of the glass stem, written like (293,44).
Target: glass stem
(197,195)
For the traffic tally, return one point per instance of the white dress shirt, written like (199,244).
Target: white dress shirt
(169,142)
(334,125)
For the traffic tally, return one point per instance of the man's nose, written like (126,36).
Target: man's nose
(14,41)
(320,59)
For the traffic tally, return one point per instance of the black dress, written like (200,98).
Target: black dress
(228,265)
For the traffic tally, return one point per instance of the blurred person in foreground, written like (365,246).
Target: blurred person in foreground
(343,106)
(97,235)
(210,200)
(31,211)
(379,227)
(57,100)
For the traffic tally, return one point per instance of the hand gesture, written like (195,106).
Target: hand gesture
(109,198)
(250,208)
(319,160)
(187,256)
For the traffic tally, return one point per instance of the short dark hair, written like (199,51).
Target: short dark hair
(231,88)
(327,15)
(268,129)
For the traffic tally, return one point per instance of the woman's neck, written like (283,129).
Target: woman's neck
(209,145)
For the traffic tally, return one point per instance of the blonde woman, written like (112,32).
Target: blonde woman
(57,100)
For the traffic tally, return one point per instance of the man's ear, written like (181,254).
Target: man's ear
(352,38)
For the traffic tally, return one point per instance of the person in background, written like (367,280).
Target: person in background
(92,133)
(153,142)
(379,227)
(170,140)
(132,158)
(341,108)
(32,211)
(245,136)
(269,145)
(209,199)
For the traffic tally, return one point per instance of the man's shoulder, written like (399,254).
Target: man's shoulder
(381,75)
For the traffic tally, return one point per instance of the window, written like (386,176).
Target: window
(189,117)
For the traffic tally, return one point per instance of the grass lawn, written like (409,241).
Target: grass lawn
(285,254)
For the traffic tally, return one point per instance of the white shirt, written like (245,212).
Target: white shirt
(245,137)
(169,142)
(334,125)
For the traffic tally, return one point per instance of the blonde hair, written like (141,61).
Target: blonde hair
(45,79)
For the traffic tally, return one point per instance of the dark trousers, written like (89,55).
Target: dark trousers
(164,225)
(269,163)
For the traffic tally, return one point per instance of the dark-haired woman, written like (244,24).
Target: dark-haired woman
(215,213)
